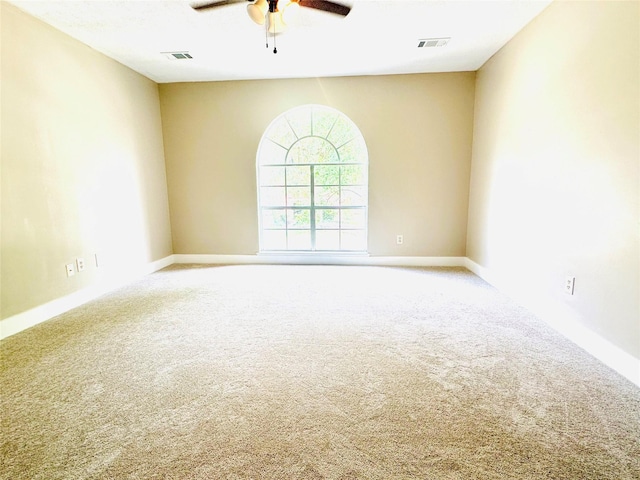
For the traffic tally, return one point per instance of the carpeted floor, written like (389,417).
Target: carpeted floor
(310,372)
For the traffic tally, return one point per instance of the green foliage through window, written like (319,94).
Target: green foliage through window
(312,182)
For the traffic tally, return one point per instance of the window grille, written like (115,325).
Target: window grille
(312,171)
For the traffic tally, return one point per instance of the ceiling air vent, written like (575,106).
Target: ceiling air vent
(433,42)
(177,55)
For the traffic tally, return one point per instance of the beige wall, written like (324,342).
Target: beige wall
(82,165)
(418,130)
(555,183)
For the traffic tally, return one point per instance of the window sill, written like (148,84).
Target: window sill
(315,258)
(302,253)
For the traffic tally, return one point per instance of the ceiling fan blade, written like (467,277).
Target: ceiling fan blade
(326,6)
(216,3)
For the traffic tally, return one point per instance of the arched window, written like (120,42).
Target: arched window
(312,183)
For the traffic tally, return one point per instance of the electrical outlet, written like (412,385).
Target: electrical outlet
(70,270)
(399,239)
(80,264)
(569,284)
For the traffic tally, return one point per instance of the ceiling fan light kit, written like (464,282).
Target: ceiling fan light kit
(280,13)
(276,14)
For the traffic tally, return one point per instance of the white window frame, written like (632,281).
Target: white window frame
(362,160)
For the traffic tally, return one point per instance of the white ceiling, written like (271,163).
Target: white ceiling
(377,37)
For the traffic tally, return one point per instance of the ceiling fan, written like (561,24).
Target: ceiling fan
(275,14)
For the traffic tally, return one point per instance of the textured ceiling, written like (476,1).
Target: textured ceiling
(377,37)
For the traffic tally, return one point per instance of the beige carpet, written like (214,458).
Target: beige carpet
(310,372)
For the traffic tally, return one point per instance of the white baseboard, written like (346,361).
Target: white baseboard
(21,321)
(567,324)
(331,259)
